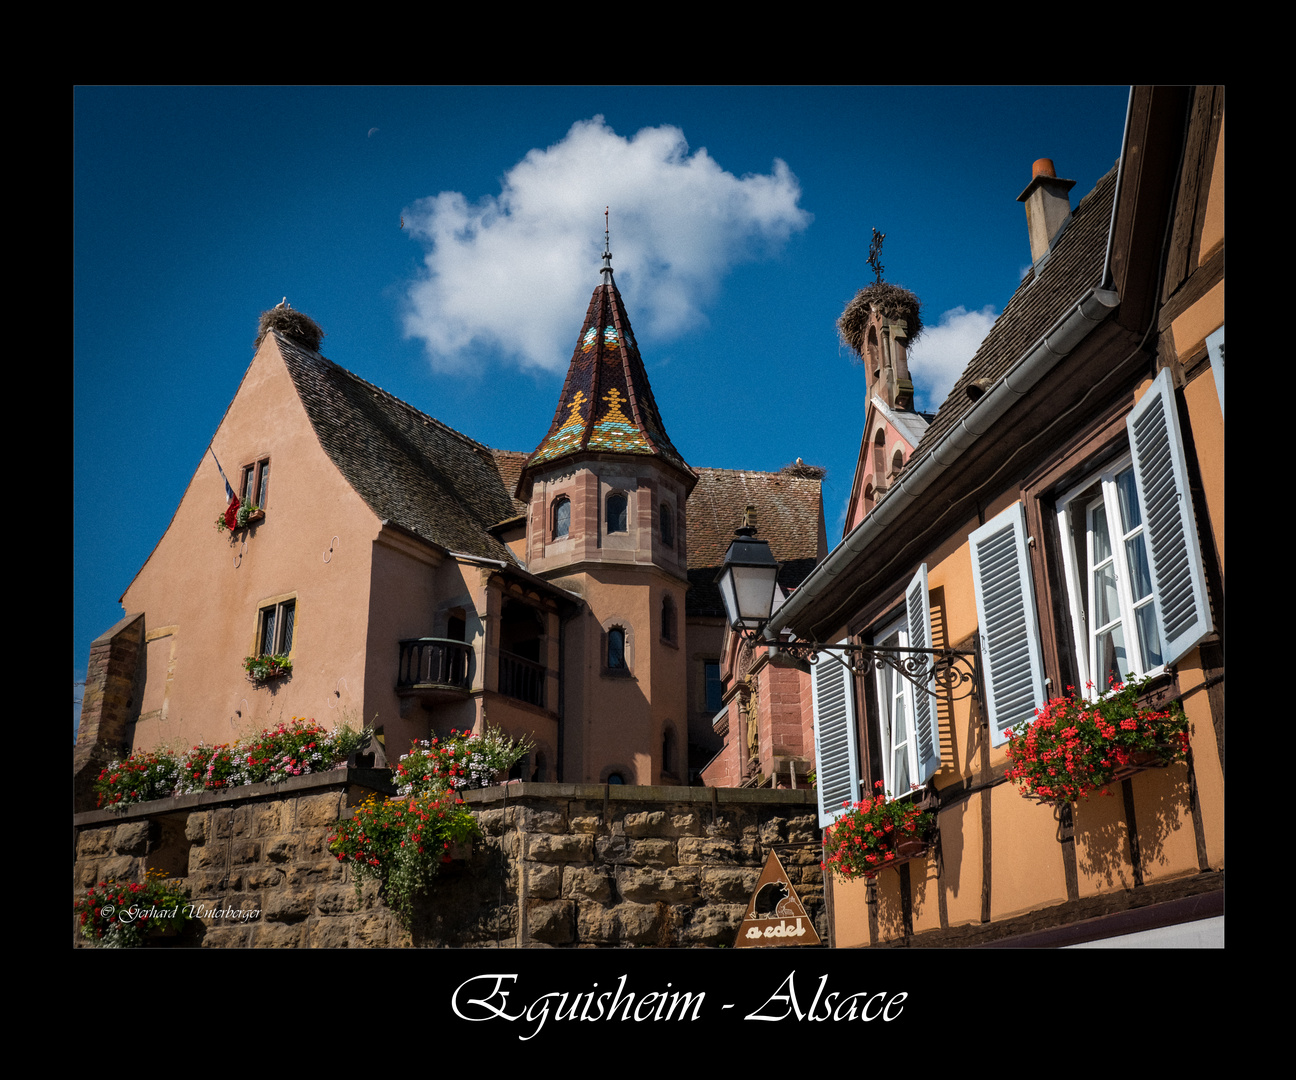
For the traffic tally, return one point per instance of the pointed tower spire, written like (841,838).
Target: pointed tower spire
(606,405)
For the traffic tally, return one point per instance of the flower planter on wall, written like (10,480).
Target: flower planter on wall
(1076,746)
(906,851)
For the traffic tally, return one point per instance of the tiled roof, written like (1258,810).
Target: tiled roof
(510,464)
(1044,296)
(789,514)
(606,405)
(409,468)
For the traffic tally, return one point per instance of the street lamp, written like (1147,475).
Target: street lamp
(748,580)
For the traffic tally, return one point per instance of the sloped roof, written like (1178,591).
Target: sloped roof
(789,514)
(1045,294)
(510,464)
(908,423)
(606,404)
(408,467)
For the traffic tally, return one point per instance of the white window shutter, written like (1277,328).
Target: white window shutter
(918,617)
(1215,349)
(1011,658)
(836,760)
(1161,474)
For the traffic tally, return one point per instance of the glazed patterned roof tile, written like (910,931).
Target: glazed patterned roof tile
(606,404)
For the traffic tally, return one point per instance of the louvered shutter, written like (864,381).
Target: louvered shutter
(1012,669)
(836,762)
(1161,474)
(918,617)
(1215,348)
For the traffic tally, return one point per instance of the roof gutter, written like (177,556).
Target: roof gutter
(1066,334)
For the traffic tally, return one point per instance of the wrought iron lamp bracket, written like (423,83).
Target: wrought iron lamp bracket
(953,673)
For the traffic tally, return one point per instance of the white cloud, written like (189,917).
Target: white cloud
(943,351)
(514,272)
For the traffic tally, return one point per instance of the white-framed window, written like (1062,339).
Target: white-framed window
(275,623)
(1135,585)
(906,719)
(1109,581)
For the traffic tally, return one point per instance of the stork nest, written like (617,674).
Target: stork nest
(291,324)
(802,471)
(891,300)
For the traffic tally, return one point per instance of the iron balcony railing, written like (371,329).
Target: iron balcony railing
(433,661)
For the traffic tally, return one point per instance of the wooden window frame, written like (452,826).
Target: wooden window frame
(277,606)
(255,481)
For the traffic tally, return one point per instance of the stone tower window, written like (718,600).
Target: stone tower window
(616,513)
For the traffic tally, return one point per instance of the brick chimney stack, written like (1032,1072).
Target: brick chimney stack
(1048,206)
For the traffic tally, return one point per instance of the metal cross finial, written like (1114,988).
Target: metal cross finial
(875,254)
(607,252)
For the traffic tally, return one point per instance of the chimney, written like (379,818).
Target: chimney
(1048,206)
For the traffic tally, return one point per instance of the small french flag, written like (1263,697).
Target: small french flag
(231,512)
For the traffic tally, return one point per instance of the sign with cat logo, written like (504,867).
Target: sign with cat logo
(775,915)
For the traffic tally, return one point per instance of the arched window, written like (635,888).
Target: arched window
(668,751)
(668,618)
(616,653)
(879,456)
(616,513)
(561,517)
(667,527)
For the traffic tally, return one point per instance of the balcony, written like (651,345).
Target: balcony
(522,679)
(434,669)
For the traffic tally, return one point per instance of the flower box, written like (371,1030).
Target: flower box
(906,851)
(877,833)
(240,518)
(261,669)
(1076,746)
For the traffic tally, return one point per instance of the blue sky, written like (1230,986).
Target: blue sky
(740,223)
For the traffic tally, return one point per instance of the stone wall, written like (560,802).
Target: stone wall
(559,865)
(106,704)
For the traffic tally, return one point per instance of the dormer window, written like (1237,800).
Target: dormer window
(616,513)
(561,518)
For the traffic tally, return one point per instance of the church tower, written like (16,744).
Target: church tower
(880,324)
(605,493)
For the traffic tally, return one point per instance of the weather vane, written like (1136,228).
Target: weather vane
(875,254)
(605,231)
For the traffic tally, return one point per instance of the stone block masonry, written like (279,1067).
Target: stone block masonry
(558,865)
